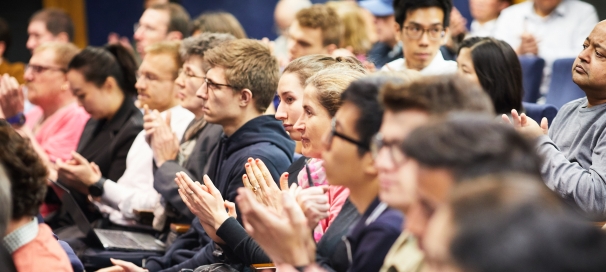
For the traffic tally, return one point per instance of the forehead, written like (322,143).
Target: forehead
(425,16)
(155,17)
(44,57)
(216,74)
(397,125)
(346,117)
(598,35)
(158,64)
(306,34)
(434,184)
(193,62)
(289,82)
(38,27)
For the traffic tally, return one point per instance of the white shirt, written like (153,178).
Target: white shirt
(560,34)
(135,188)
(482,30)
(438,66)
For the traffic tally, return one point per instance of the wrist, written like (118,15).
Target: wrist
(220,219)
(96,189)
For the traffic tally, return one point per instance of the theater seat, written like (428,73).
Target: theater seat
(532,76)
(562,89)
(537,112)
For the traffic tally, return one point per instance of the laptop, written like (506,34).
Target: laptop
(109,239)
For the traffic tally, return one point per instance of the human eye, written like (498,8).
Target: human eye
(585,45)
(599,55)
(289,100)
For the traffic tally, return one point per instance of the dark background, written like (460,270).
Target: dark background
(105,16)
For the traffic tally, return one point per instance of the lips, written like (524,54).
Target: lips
(579,69)
(287,127)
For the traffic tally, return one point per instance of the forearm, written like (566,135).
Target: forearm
(242,246)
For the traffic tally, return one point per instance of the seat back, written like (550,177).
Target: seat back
(538,111)
(562,89)
(532,76)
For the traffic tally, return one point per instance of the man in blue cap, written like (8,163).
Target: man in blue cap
(387,48)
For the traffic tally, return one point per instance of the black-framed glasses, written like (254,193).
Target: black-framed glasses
(214,86)
(415,32)
(396,155)
(333,133)
(38,69)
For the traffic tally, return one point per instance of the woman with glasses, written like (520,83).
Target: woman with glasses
(495,66)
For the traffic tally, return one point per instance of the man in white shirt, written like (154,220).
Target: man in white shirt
(485,14)
(422,26)
(134,189)
(550,29)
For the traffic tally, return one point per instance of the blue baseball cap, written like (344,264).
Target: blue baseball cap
(378,7)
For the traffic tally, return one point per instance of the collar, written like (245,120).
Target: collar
(122,114)
(560,10)
(437,59)
(21,236)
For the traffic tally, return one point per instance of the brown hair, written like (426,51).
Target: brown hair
(436,95)
(354,27)
(178,17)
(218,22)
(170,48)
(64,52)
(56,21)
(306,66)
(323,17)
(249,65)
(333,80)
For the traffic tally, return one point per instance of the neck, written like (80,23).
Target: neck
(363,194)
(17,223)
(482,22)
(52,107)
(593,101)
(199,113)
(392,43)
(115,104)
(237,123)
(543,12)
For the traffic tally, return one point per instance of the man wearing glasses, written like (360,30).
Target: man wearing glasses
(406,108)
(422,26)
(54,126)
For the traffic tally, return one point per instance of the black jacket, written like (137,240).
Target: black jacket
(195,167)
(263,137)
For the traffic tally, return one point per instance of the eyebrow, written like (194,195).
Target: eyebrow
(434,24)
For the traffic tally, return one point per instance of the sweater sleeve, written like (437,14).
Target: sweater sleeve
(586,187)
(241,244)
(165,185)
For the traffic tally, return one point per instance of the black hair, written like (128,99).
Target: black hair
(403,7)
(471,146)
(99,63)
(363,94)
(499,71)
(5,35)
(56,21)
(26,172)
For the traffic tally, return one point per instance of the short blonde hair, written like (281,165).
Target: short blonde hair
(333,80)
(170,48)
(354,27)
(219,22)
(323,17)
(64,52)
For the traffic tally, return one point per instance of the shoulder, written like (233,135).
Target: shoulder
(516,10)
(576,6)
(573,105)
(390,221)
(395,65)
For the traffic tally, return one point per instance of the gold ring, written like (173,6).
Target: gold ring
(256,188)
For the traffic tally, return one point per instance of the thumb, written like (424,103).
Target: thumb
(545,125)
(168,117)
(79,158)
(284,181)
(231,208)
(145,109)
(324,188)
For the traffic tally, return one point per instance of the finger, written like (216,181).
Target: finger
(146,109)
(246,182)
(523,120)
(261,182)
(79,158)
(231,208)
(251,174)
(545,125)
(211,186)
(292,210)
(114,268)
(284,181)
(168,117)
(506,119)
(269,180)
(516,118)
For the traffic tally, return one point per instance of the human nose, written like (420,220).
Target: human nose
(202,92)
(383,160)
(281,112)
(300,125)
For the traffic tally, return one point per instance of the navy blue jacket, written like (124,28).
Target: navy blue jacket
(263,137)
(371,238)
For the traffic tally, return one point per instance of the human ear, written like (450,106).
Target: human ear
(245,97)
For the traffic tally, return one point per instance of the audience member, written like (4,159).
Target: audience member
(479,230)
(218,22)
(485,14)
(25,239)
(387,48)
(133,190)
(408,106)
(316,30)
(49,25)
(192,154)
(6,262)
(422,26)
(356,37)
(161,22)
(16,69)
(239,85)
(549,29)
(284,16)
(103,79)
(495,66)
(572,147)
(55,125)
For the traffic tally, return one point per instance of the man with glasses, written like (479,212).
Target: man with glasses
(406,108)
(422,26)
(54,126)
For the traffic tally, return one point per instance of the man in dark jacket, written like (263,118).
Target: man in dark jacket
(239,86)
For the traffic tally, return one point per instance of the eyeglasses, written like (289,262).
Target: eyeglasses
(190,74)
(333,132)
(38,69)
(214,86)
(396,155)
(416,32)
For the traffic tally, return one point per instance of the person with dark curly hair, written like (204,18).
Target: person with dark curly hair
(26,240)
